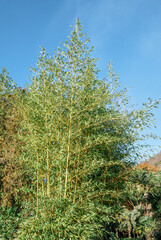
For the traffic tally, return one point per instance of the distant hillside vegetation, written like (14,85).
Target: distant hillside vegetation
(155,161)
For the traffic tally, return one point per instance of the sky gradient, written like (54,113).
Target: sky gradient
(128,32)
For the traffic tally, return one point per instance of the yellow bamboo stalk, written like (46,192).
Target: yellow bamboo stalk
(67,161)
(37,172)
(37,192)
(48,175)
(68,147)
(37,186)
(47,159)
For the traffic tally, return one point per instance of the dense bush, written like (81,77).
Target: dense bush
(10,219)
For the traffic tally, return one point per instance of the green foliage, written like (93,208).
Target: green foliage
(77,139)
(139,216)
(9,222)
(154,198)
(63,220)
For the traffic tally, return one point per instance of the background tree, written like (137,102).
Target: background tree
(12,178)
(6,134)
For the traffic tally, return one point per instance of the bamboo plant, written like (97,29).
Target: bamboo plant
(80,139)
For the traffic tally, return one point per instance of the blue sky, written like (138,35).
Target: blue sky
(128,32)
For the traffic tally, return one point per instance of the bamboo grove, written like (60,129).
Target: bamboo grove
(69,142)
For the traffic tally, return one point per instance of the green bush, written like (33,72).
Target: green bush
(9,221)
